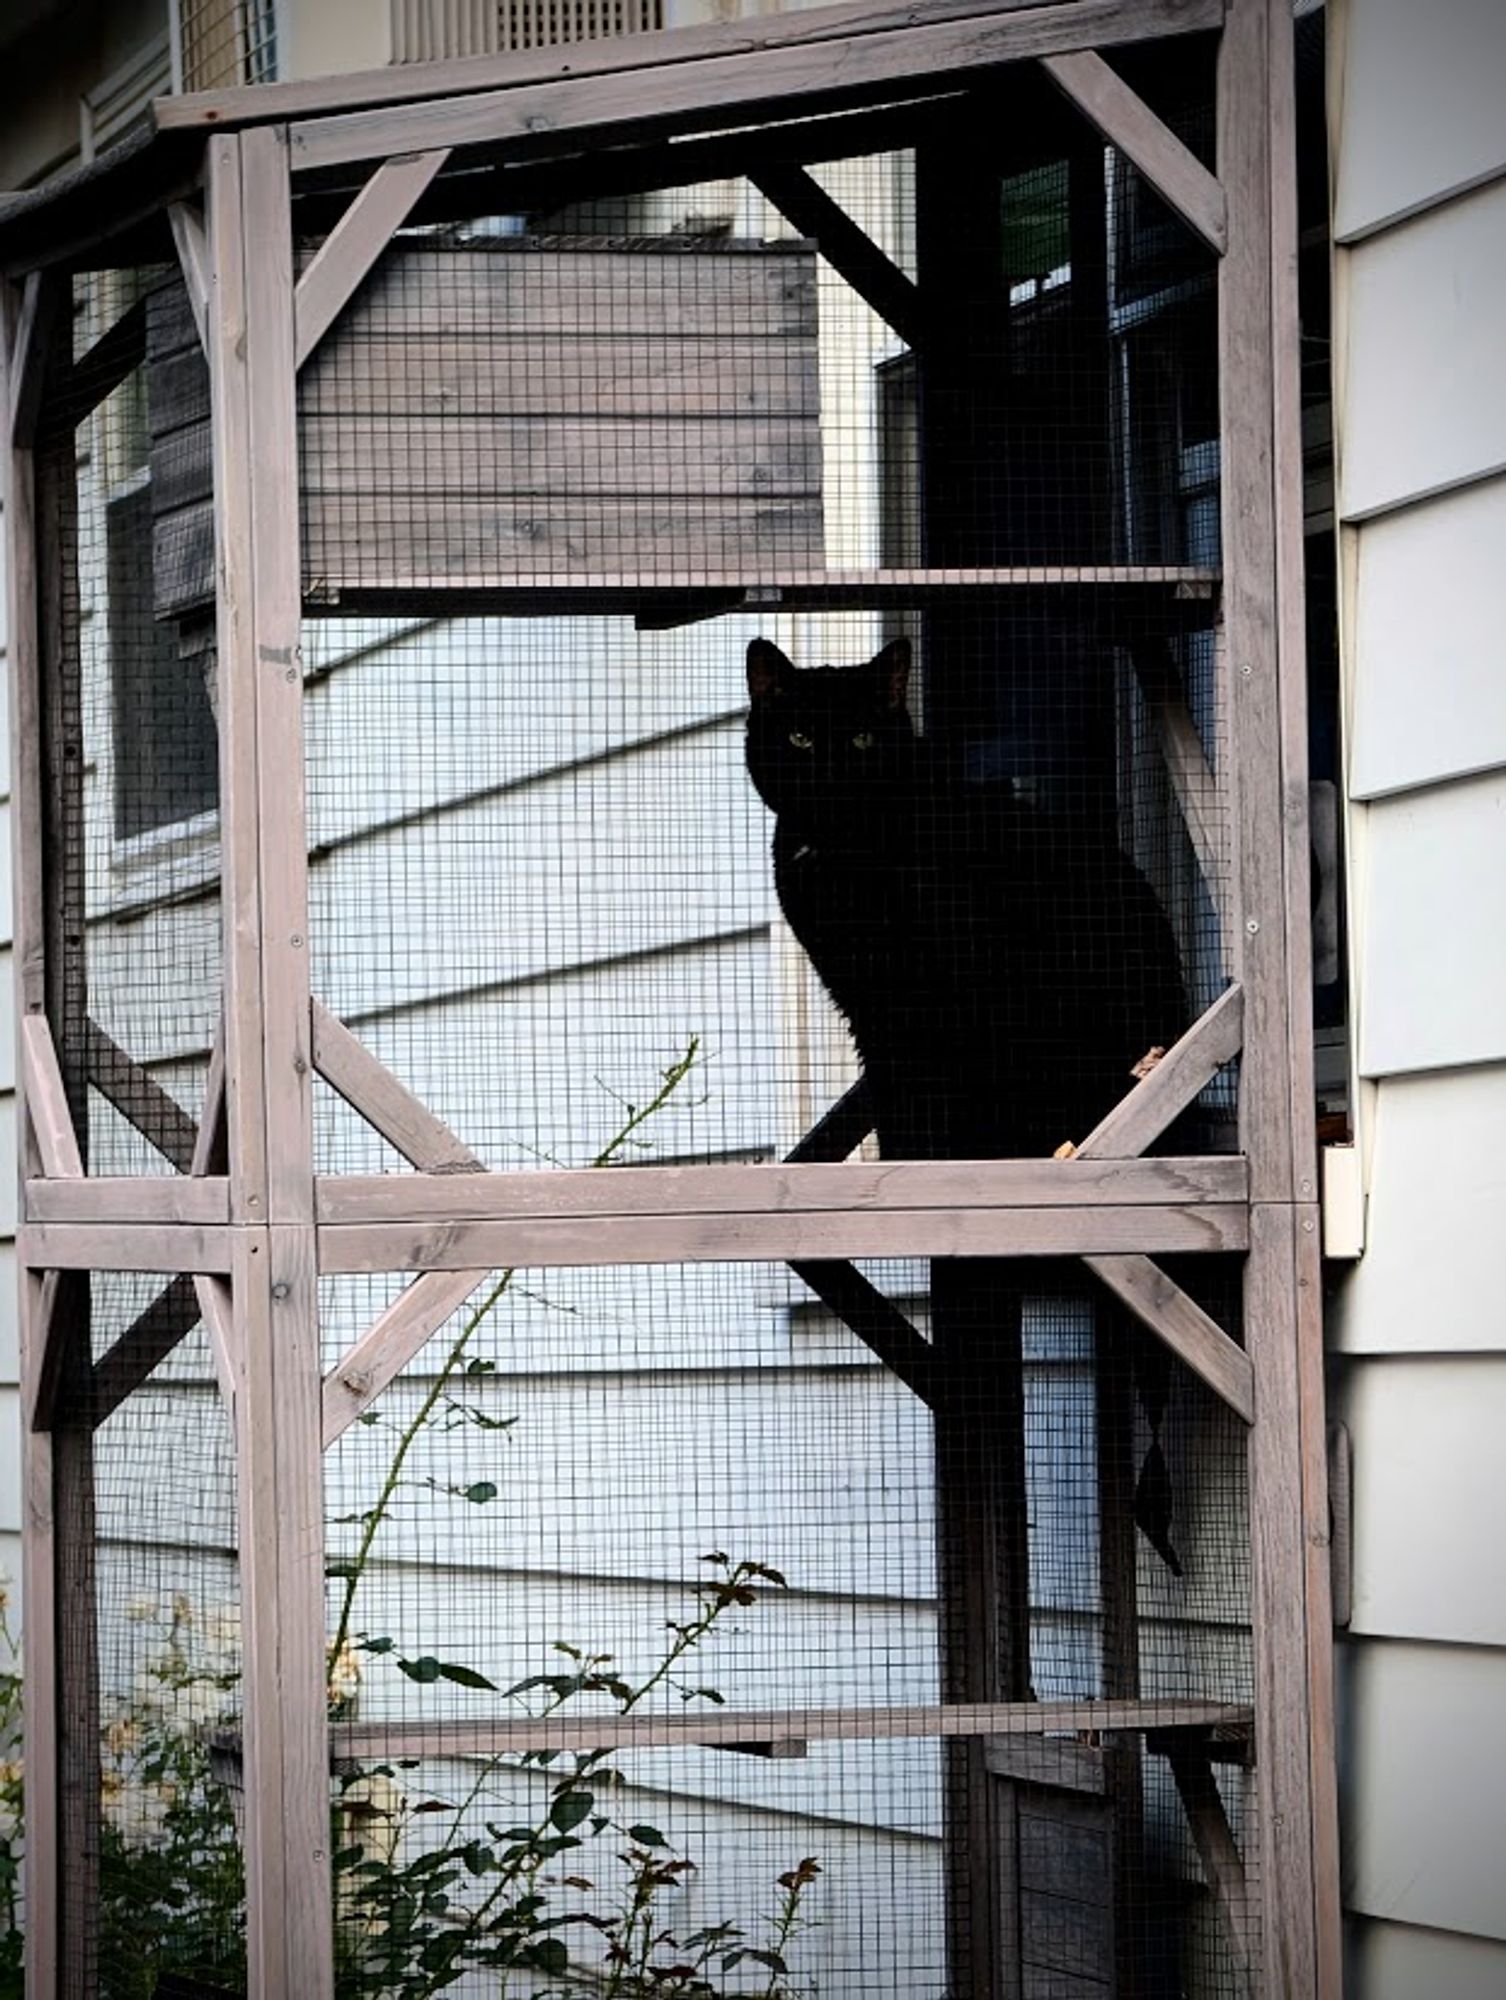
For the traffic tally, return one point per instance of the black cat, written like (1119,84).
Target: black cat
(1000,968)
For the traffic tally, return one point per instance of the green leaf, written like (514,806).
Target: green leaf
(424,1669)
(769,1958)
(480,1493)
(569,1809)
(550,1956)
(467,1677)
(647,1836)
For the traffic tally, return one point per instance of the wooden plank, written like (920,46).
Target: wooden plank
(1222,1862)
(217,1310)
(46,1100)
(191,240)
(1180,1322)
(1279,1609)
(209,1144)
(140,1099)
(229,553)
(125,1246)
(151,1337)
(711,92)
(99,371)
(368,1086)
(1199,797)
(31,347)
(389,1344)
(39,1660)
(220,109)
(354,244)
(1249,597)
(1057,1761)
(786,1237)
(849,250)
(40,1397)
(27,926)
(1143,1114)
(143,1198)
(506,1735)
(270,379)
(1127,122)
(456,1195)
(877,1322)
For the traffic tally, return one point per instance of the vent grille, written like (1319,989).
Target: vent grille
(432,30)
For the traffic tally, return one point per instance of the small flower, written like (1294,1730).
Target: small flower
(122,1736)
(344,1676)
(141,1610)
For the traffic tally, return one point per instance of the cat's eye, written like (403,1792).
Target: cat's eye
(864,740)
(800,741)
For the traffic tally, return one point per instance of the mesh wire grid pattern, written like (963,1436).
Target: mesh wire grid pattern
(540,882)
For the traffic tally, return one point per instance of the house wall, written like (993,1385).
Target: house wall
(1417,1329)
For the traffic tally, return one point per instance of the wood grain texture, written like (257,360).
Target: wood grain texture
(31,354)
(1143,1114)
(217,1310)
(704,94)
(125,1246)
(46,1101)
(136,1094)
(39,1640)
(789,1237)
(151,1337)
(389,1344)
(368,1086)
(1222,1862)
(347,254)
(143,1198)
(191,241)
(1036,1719)
(1127,122)
(220,109)
(1181,1323)
(891,1186)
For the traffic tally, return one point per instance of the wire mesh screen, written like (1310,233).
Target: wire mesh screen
(648,1586)
(165,1626)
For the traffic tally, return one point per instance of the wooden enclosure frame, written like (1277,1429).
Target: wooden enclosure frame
(248,1225)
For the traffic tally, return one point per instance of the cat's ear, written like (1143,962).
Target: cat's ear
(891,669)
(769,672)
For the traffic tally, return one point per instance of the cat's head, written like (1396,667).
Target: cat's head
(829,737)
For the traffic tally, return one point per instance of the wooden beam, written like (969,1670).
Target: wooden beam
(1143,1114)
(217,1310)
(389,1344)
(209,1146)
(41,1394)
(369,1087)
(84,384)
(893,1186)
(1199,797)
(191,240)
(507,1735)
(852,254)
(125,1199)
(31,353)
(124,1246)
(1222,1863)
(714,90)
(589,1240)
(140,1099)
(878,1323)
(220,110)
(1180,1322)
(1127,122)
(47,1101)
(354,244)
(152,1336)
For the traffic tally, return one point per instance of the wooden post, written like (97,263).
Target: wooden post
(269,1067)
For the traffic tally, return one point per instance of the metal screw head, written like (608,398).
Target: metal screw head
(1252,925)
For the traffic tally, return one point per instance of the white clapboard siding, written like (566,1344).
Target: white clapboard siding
(1430,642)
(440,712)
(1423,90)
(5,881)
(1426,1785)
(150,1462)
(1429,1496)
(1399,1962)
(8,1137)
(656,848)
(7,1012)
(1430,1278)
(154,982)
(10,1360)
(10,1458)
(1422,362)
(1433,947)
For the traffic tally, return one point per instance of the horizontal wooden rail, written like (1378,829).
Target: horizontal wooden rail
(168,1247)
(785,1189)
(144,1198)
(502,1735)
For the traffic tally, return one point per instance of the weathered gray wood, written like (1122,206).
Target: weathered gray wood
(369,1087)
(144,1198)
(353,246)
(40,1395)
(151,1337)
(222,109)
(125,1246)
(389,1344)
(217,1310)
(507,1734)
(1222,1862)
(789,1236)
(1143,1114)
(1127,121)
(140,1099)
(209,1141)
(892,1186)
(707,93)
(1198,796)
(1180,1322)
(879,1324)
(84,384)
(31,354)
(1058,1761)
(46,1101)
(191,241)
(850,251)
